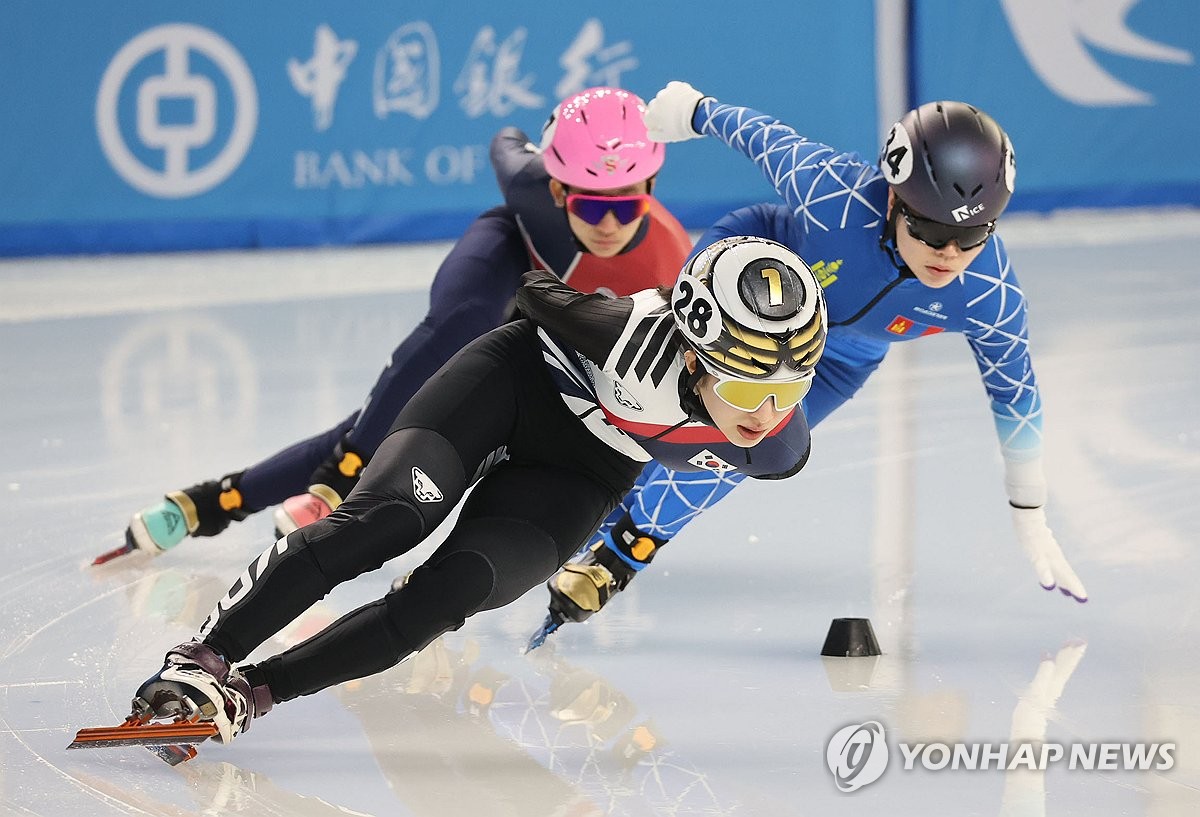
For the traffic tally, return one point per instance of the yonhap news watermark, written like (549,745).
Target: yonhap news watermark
(859,754)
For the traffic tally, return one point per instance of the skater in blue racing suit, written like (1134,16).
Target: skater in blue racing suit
(903,249)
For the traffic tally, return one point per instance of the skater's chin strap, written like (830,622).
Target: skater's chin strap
(887,243)
(689,397)
(690,402)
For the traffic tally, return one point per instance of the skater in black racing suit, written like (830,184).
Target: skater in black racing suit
(562,411)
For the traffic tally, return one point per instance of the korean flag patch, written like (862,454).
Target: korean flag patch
(707,459)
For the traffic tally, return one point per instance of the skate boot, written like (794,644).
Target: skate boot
(201,510)
(582,587)
(195,680)
(331,483)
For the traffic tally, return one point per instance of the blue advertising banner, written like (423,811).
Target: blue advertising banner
(231,124)
(1101,99)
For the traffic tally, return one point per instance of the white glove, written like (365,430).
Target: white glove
(669,115)
(1043,550)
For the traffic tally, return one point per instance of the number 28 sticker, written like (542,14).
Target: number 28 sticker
(696,310)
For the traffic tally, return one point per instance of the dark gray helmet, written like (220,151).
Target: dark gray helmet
(951,163)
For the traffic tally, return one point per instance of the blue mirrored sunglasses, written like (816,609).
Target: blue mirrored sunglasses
(593,209)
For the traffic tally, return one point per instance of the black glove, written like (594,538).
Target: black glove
(341,470)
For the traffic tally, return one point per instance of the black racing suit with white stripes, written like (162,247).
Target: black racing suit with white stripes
(570,459)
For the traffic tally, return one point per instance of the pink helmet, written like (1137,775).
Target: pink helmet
(597,140)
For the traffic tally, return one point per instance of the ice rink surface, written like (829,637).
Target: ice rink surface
(700,690)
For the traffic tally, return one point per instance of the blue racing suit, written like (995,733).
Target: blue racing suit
(835,218)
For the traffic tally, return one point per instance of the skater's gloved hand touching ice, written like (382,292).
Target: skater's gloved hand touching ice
(1025,484)
(669,115)
(1043,550)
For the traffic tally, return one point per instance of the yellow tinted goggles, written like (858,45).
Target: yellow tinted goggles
(749,395)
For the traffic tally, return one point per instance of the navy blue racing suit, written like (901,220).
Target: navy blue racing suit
(472,293)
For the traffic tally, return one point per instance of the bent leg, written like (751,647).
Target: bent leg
(381,519)
(417,477)
(502,545)
(471,294)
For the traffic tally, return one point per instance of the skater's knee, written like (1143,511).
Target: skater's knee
(439,597)
(518,555)
(351,542)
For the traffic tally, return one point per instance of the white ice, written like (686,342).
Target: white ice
(701,689)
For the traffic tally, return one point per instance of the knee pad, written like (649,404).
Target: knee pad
(519,556)
(438,598)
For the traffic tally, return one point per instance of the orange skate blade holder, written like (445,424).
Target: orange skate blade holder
(139,730)
(109,555)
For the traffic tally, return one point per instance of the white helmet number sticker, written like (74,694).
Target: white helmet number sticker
(695,310)
(1010,166)
(897,160)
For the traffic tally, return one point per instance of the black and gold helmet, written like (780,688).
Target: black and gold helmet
(751,309)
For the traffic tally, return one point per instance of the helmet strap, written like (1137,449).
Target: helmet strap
(566,217)
(887,239)
(689,396)
(889,227)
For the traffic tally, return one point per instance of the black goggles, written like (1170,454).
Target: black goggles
(937,235)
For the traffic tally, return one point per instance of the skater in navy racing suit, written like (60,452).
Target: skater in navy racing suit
(615,250)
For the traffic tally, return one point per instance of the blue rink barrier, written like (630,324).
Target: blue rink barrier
(266,125)
(278,124)
(1101,100)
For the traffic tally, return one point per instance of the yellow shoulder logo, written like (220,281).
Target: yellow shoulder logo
(826,271)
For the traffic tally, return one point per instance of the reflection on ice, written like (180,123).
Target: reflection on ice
(700,690)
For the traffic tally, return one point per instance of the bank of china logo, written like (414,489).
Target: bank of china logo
(857,755)
(424,488)
(179,139)
(1058,39)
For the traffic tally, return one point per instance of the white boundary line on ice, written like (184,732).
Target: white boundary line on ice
(81,286)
